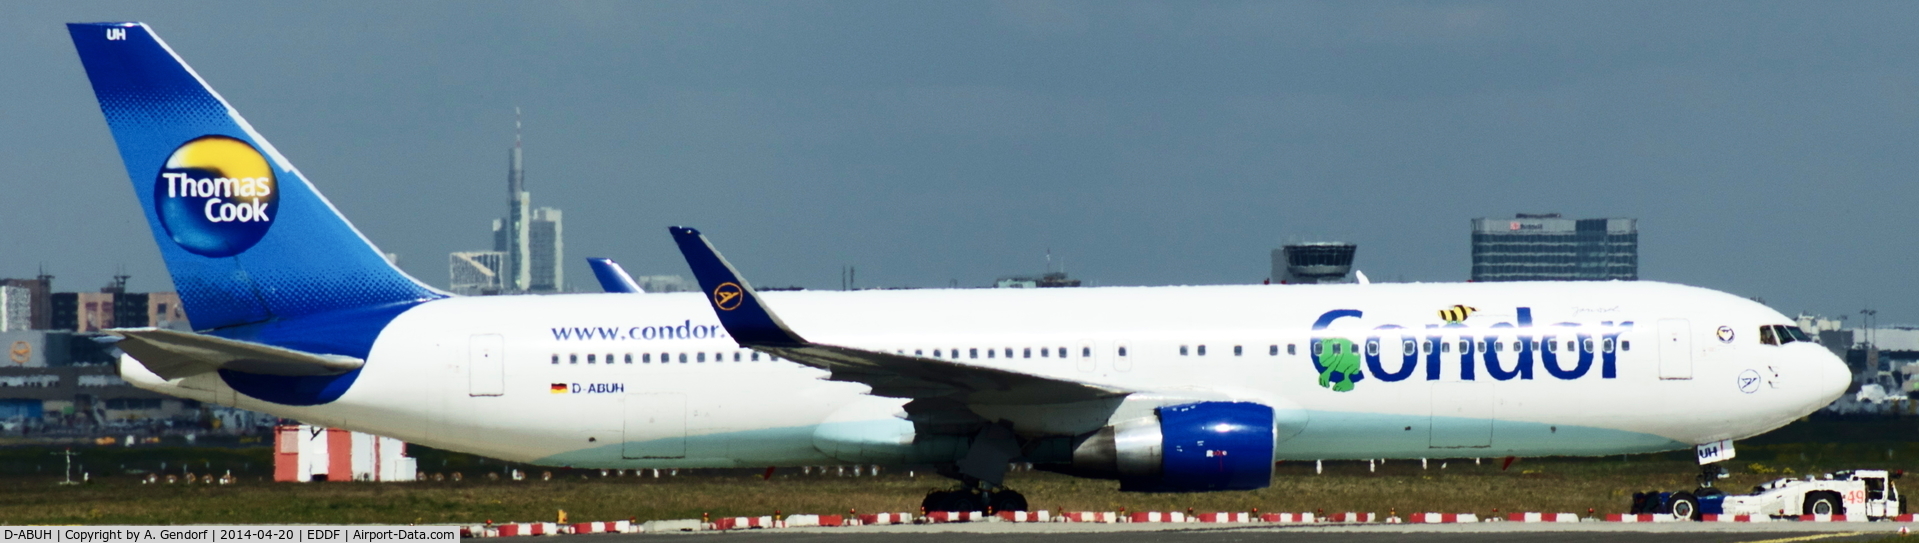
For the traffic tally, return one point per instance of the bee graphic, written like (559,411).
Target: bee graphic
(1456,314)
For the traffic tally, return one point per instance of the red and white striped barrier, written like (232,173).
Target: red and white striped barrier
(614,527)
(886,518)
(938,517)
(1157,516)
(1025,516)
(1088,516)
(1849,517)
(1441,518)
(1642,517)
(797,521)
(1286,517)
(1225,517)
(1904,518)
(1734,518)
(741,523)
(1353,517)
(525,528)
(1542,517)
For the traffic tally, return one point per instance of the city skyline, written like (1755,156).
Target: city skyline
(1748,143)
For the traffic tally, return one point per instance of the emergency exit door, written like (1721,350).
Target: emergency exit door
(486,365)
(1675,349)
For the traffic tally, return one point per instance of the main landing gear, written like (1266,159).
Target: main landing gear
(974,495)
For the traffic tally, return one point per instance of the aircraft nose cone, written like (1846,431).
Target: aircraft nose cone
(1835,378)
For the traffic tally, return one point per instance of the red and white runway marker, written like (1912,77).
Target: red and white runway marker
(1157,516)
(1286,517)
(1353,517)
(1089,516)
(1441,518)
(1542,517)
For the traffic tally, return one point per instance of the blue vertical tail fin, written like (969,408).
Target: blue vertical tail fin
(246,238)
(613,278)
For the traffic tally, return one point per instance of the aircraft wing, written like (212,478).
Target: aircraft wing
(172,354)
(891,375)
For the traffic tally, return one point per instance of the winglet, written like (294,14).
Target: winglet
(613,278)
(739,308)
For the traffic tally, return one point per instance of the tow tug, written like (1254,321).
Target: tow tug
(1865,494)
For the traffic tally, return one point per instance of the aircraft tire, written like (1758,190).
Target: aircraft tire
(937,500)
(1008,500)
(964,500)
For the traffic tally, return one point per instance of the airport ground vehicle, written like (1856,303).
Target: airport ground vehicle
(1868,494)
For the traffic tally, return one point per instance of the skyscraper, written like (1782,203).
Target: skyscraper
(1547,247)
(546,253)
(528,242)
(513,240)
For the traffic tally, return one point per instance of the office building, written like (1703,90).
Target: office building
(39,300)
(1548,247)
(16,308)
(476,273)
(666,283)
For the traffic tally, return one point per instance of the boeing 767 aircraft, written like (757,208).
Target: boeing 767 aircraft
(1166,389)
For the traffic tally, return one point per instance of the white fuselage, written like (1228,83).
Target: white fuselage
(691,397)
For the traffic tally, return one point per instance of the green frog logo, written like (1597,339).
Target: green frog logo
(1338,364)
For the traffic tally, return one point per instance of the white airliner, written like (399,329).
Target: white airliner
(1163,388)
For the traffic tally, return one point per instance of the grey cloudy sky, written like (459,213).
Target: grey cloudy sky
(1766,148)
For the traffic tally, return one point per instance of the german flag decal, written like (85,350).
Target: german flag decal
(559,388)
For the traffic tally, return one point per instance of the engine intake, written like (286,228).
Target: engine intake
(1184,448)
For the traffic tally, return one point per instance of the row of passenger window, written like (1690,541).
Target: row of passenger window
(1007,352)
(1427,346)
(663,358)
(1324,347)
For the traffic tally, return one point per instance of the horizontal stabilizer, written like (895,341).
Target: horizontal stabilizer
(173,354)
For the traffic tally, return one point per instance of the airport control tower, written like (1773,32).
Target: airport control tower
(1307,263)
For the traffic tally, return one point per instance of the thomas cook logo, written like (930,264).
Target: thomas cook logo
(727,296)
(216,196)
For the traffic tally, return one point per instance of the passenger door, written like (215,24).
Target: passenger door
(655,426)
(1675,349)
(486,365)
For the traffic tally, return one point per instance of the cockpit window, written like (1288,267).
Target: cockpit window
(1797,334)
(1779,334)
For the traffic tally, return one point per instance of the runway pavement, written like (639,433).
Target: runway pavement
(1687,532)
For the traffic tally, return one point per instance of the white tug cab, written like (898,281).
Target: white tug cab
(1854,494)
